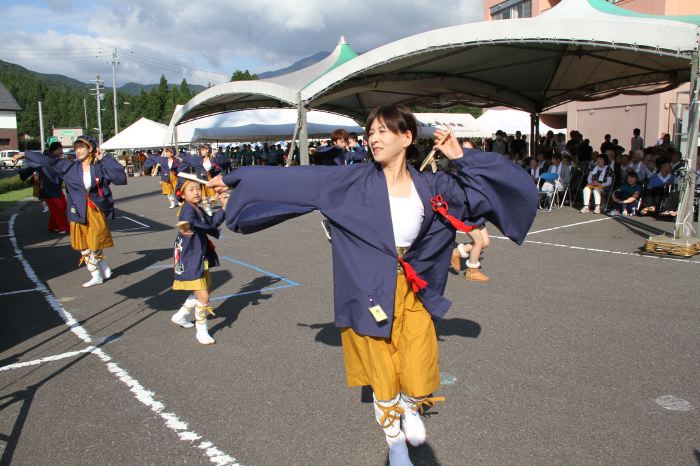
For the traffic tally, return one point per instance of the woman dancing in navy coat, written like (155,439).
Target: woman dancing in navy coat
(393,234)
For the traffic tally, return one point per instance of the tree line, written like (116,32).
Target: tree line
(62,105)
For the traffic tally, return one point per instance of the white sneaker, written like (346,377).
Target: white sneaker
(615,213)
(596,210)
(585,210)
(182,318)
(96,279)
(411,422)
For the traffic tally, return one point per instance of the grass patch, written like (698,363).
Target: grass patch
(10,198)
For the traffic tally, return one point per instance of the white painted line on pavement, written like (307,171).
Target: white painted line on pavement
(571,225)
(55,357)
(673,403)
(143,225)
(7,293)
(605,251)
(143,395)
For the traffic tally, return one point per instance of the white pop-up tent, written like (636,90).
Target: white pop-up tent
(261,125)
(463,125)
(510,121)
(142,134)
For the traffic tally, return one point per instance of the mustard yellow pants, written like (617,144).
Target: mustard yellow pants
(406,362)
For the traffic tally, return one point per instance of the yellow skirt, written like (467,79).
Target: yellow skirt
(407,362)
(94,235)
(168,187)
(201,283)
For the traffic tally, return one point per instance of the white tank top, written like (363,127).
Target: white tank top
(87,180)
(406,217)
(206,163)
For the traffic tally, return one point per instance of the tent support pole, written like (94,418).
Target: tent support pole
(534,132)
(303,136)
(684,218)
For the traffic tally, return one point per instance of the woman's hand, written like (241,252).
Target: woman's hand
(217,184)
(99,153)
(447,143)
(17,156)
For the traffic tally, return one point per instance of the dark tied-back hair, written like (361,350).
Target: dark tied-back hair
(398,119)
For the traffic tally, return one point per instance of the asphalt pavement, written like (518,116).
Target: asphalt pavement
(581,350)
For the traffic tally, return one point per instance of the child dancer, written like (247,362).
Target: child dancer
(194,256)
(89,200)
(206,167)
(393,231)
(169,166)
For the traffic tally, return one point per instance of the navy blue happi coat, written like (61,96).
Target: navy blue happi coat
(102,174)
(355,199)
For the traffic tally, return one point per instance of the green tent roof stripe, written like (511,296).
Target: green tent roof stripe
(607,7)
(346,54)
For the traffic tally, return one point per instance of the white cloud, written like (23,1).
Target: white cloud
(194,38)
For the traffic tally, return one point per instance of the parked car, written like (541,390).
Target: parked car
(6,159)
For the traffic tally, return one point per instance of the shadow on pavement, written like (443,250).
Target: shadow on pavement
(249,295)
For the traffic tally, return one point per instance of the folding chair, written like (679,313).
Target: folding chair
(548,196)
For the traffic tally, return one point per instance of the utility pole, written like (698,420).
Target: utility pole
(114,89)
(41,128)
(99,96)
(86,120)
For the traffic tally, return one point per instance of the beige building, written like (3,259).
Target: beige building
(617,116)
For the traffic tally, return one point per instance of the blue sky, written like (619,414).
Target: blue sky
(204,40)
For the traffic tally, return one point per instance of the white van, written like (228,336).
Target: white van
(6,159)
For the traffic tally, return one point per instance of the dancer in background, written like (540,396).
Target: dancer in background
(472,253)
(194,255)
(206,167)
(393,230)
(89,200)
(169,167)
(50,190)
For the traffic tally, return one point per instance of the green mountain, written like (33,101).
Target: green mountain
(6,67)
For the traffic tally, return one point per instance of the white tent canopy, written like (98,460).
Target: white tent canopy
(277,92)
(463,125)
(142,134)
(580,49)
(261,125)
(510,121)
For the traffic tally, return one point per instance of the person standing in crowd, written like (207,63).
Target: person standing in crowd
(607,144)
(518,146)
(194,255)
(599,178)
(500,146)
(169,167)
(393,231)
(51,190)
(89,200)
(637,141)
(205,167)
(585,155)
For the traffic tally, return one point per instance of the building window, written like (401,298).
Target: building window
(4,143)
(512,9)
